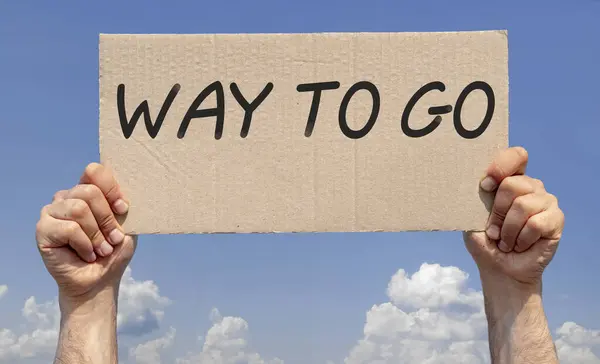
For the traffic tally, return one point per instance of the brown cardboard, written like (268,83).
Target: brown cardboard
(276,179)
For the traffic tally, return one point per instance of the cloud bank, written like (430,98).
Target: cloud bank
(431,317)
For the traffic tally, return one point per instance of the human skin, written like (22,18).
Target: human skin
(522,236)
(85,250)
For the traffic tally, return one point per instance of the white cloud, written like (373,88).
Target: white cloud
(575,344)
(432,286)
(226,342)
(141,307)
(40,336)
(150,352)
(432,318)
(3,290)
(140,310)
(44,314)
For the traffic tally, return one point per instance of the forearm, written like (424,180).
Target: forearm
(88,331)
(517,325)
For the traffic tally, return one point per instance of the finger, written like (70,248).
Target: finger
(522,208)
(512,161)
(57,233)
(101,210)
(79,212)
(124,252)
(510,188)
(102,177)
(60,195)
(546,225)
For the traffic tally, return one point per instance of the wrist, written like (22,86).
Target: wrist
(96,304)
(517,326)
(494,280)
(505,297)
(88,329)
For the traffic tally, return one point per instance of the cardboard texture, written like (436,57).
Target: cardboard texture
(233,151)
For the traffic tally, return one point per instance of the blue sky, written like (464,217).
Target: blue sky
(304,295)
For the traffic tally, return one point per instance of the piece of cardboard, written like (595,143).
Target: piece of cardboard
(275,176)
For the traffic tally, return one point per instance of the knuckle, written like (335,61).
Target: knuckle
(559,232)
(40,228)
(522,153)
(112,191)
(504,199)
(97,237)
(497,215)
(560,220)
(41,231)
(90,191)
(44,210)
(79,209)
(535,223)
(497,171)
(92,170)
(514,186)
(561,215)
(520,204)
(71,228)
(509,184)
(57,196)
(553,199)
(537,183)
(106,221)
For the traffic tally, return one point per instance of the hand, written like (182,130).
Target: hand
(525,224)
(80,240)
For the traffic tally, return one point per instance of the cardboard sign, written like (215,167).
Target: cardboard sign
(303,132)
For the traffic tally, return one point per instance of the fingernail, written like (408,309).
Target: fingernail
(493,232)
(105,249)
(489,184)
(116,237)
(91,257)
(502,246)
(120,206)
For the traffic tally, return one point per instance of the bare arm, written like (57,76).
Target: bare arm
(517,325)
(522,236)
(88,331)
(86,251)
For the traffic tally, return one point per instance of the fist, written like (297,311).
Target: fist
(79,238)
(525,223)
